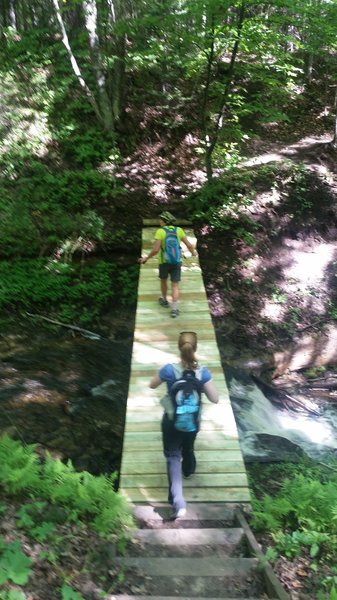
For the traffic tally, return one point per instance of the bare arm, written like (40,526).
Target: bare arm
(211,392)
(188,245)
(155,249)
(155,381)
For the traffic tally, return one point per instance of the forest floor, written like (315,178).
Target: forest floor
(273,303)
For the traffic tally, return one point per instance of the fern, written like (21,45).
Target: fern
(302,503)
(270,513)
(85,496)
(19,468)
(314,503)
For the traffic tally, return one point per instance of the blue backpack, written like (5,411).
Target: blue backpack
(186,399)
(172,253)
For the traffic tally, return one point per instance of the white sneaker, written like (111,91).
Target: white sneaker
(180,513)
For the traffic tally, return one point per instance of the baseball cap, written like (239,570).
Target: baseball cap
(167,217)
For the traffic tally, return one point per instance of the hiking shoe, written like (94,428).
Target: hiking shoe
(163,302)
(174,313)
(178,514)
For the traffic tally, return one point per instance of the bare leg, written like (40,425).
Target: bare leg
(163,288)
(175,292)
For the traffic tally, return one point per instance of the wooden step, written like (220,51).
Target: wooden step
(169,567)
(128,597)
(202,511)
(179,539)
(199,577)
(220,494)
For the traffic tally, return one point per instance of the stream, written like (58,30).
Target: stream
(270,431)
(67,394)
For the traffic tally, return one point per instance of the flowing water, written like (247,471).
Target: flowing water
(270,432)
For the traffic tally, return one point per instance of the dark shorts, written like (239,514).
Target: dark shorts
(174,271)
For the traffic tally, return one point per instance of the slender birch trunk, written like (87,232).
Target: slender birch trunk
(90,15)
(74,64)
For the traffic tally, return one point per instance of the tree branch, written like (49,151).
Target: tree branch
(85,332)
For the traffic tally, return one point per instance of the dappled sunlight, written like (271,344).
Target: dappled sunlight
(263,159)
(34,392)
(150,335)
(309,351)
(307,268)
(273,311)
(303,269)
(218,417)
(278,153)
(145,354)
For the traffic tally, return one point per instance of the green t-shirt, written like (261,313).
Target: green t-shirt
(161,235)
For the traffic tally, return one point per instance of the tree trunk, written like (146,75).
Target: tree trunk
(118,98)
(117,73)
(12,15)
(334,141)
(90,15)
(211,143)
(74,64)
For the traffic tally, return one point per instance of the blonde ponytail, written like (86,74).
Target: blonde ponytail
(187,344)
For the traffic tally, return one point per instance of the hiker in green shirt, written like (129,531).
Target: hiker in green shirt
(168,269)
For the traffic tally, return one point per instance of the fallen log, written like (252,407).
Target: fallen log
(85,332)
(279,397)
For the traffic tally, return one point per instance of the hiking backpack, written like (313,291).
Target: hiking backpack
(186,398)
(172,254)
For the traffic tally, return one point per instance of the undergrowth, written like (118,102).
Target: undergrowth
(55,504)
(73,293)
(299,515)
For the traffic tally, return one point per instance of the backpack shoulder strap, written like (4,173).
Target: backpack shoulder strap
(198,373)
(177,371)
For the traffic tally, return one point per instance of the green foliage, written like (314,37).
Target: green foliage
(332,309)
(14,564)
(127,280)
(221,202)
(51,207)
(300,186)
(13,594)
(301,515)
(314,372)
(76,293)
(278,296)
(69,594)
(291,544)
(82,146)
(85,496)
(269,514)
(32,520)
(303,501)
(329,583)
(19,470)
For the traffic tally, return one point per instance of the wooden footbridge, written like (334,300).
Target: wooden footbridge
(220,475)
(211,553)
